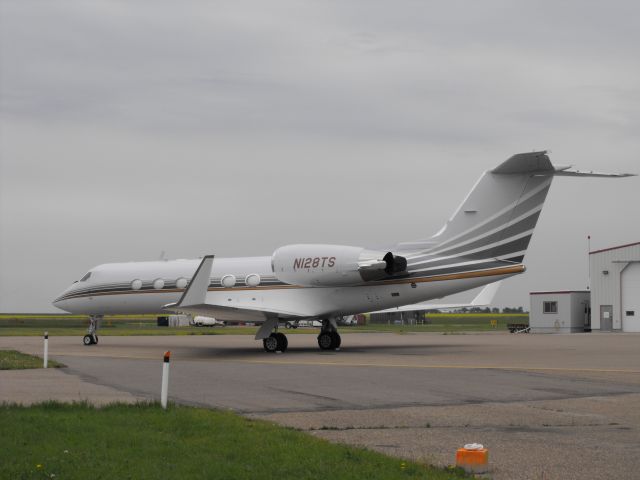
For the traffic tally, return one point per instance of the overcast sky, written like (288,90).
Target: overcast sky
(235,127)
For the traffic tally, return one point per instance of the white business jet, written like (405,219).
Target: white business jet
(483,242)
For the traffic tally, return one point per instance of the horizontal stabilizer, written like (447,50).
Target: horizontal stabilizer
(539,163)
(577,173)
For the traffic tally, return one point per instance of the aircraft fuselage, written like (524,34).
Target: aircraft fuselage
(146,287)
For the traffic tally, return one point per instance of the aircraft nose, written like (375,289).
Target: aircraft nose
(61,301)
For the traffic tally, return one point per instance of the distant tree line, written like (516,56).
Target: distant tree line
(489,310)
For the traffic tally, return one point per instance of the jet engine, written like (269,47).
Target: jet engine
(333,265)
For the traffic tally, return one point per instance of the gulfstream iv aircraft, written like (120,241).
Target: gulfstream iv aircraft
(485,241)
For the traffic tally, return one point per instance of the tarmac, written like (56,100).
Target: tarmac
(546,406)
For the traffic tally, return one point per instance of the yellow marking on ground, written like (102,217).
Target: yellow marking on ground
(459,367)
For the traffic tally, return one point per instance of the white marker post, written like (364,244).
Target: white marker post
(165,380)
(46,349)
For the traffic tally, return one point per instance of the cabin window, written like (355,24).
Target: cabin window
(86,277)
(630,313)
(550,307)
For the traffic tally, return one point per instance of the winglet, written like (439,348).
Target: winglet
(196,292)
(485,297)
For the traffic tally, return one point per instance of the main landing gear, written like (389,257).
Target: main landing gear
(276,342)
(91,338)
(329,339)
(272,340)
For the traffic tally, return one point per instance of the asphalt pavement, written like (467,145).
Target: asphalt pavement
(546,406)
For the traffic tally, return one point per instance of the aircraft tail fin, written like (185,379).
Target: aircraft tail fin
(497,218)
(501,211)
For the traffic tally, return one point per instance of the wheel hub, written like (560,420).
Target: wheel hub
(271,343)
(325,340)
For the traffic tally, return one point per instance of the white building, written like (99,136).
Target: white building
(564,311)
(615,288)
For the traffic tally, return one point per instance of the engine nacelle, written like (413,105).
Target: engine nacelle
(333,265)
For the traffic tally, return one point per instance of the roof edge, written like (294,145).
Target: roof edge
(559,292)
(614,248)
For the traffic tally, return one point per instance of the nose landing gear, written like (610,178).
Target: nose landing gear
(91,338)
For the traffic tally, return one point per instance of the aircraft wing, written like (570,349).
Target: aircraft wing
(194,301)
(483,299)
(232,314)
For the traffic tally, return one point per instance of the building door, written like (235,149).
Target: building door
(587,317)
(606,318)
(630,289)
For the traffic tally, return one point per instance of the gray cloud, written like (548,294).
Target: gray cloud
(236,127)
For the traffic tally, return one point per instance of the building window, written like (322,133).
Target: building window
(630,313)
(550,307)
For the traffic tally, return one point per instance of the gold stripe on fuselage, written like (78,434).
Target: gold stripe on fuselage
(436,278)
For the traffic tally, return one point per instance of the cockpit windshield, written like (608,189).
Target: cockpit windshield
(86,277)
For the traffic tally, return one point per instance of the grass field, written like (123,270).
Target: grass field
(143,441)
(75,325)
(14,360)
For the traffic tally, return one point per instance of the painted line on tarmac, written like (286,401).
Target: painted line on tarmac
(453,367)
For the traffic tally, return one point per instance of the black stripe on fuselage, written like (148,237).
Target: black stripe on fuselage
(148,288)
(481,269)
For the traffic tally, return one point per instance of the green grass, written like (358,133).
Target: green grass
(77,441)
(76,325)
(14,360)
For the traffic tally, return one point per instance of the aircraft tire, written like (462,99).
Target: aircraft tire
(283,343)
(326,341)
(87,340)
(270,343)
(337,340)
(95,339)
